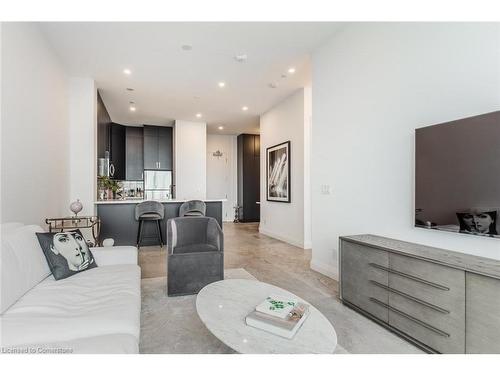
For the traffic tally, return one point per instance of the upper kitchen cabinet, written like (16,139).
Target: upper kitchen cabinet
(134,153)
(158,148)
(117,163)
(103,127)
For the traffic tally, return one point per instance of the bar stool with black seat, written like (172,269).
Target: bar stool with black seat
(149,211)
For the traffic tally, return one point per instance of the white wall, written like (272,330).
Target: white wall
(222,172)
(190,159)
(289,222)
(373,84)
(83,141)
(34,127)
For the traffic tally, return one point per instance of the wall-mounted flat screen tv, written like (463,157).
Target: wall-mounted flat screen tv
(457,176)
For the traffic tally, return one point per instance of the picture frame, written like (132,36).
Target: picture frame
(278,173)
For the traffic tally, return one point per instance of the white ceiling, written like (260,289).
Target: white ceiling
(171,83)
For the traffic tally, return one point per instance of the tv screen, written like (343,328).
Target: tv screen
(457,176)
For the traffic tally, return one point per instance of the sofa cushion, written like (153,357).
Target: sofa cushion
(101,301)
(22,262)
(67,253)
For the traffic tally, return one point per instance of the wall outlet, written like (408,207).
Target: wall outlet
(325,189)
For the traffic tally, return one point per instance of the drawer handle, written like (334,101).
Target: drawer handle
(409,317)
(415,299)
(414,278)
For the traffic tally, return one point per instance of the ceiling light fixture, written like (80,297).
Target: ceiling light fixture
(222,84)
(291,70)
(198,115)
(127,71)
(132,108)
(244,108)
(220,128)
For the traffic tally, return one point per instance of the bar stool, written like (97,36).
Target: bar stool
(149,211)
(193,208)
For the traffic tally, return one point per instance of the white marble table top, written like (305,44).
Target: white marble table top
(222,306)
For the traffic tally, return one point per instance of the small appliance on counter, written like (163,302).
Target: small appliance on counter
(158,185)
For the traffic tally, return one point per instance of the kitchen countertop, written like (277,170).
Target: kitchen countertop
(136,201)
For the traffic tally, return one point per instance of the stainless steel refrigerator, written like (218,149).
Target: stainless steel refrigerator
(158,185)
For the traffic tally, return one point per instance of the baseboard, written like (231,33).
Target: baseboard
(289,240)
(325,269)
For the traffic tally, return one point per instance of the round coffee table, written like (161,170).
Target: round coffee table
(222,306)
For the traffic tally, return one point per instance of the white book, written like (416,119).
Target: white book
(286,328)
(276,306)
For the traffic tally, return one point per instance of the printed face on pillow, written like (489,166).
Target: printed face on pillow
(73,248)
(478,223)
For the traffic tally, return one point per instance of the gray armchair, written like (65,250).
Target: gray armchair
(195,251)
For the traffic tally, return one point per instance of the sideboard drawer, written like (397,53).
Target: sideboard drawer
(358,275)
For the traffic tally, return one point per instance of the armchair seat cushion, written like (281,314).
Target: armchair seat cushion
(195,248)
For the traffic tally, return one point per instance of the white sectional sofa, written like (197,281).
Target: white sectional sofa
(94,311)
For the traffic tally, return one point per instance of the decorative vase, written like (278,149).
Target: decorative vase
(76,207)
(108,242)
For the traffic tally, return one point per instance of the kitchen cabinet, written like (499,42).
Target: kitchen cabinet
(158,148)
(117,152)
(103,124)
(249,177)
(134,154)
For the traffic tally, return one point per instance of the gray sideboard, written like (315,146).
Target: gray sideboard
(441,300)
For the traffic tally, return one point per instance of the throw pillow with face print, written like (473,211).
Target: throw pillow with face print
(67,253)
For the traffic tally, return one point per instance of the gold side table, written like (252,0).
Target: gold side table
(62,224)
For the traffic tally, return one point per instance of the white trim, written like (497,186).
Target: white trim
(325,269)
(291,241)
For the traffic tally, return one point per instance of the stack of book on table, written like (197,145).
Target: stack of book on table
(278,315)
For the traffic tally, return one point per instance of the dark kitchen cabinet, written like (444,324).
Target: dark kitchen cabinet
(103,124)
(134,154)
(249,177)
(117,151)
(158,148)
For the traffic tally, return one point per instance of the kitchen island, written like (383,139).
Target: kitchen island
(118,219)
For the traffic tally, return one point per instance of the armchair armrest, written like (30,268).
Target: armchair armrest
(107,256)
(214,235)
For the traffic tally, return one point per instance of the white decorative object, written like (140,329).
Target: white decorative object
(108,242)
(76,207)
(222,306)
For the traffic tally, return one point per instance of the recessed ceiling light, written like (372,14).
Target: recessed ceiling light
(132,108)
(241,58)
(130,89)
(220,128)
(127,71)
(198,115)
(291,70)
(222,84)
(187,47)
(244,108)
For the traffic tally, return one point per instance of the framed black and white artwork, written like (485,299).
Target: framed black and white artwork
(278,173)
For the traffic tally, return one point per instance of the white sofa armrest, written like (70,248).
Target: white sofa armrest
(107,256)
